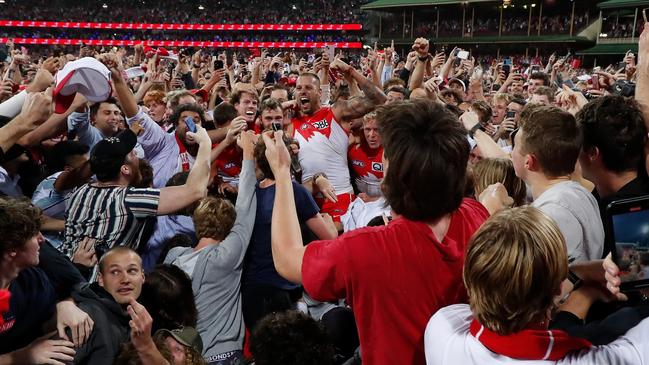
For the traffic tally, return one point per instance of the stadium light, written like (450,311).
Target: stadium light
(201,7)
(104,6)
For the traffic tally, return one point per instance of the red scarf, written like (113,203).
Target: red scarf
(529,344)
(184,156)
(5,295)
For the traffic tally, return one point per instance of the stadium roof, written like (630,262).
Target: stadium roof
(622,3)
(382,4)
(610,49)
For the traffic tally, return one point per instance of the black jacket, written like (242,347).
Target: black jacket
(111,325)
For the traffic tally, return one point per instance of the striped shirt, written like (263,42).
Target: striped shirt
(112,215)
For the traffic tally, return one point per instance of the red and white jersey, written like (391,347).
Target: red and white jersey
(228,165)
(323,148)
(367,165)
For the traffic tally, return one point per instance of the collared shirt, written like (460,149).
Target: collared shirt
(89,134)
(160,148)
(112,215)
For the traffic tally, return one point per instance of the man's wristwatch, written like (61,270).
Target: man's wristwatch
(477,126)
(318,175)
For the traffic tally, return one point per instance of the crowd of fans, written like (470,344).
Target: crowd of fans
(222,12)
(484,24)
(621,28)
(326,208)
(187,11)
(229,36)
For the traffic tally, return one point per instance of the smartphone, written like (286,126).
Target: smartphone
(595,82)
(510,114)
(191,126)
(218,64)
(330,51)
(463,55)
(276,126)
(170,69)
(628,223)
(507,69)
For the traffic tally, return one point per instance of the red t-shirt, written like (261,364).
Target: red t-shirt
(395,278)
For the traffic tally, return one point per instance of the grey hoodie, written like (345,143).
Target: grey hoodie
(111,325)
(216,274)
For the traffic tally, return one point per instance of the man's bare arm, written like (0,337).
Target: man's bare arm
(357,107)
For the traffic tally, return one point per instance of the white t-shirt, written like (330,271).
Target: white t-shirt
(447,340)
(575,211)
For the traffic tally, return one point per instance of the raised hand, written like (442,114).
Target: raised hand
(277,154)
(140,323)
(37,107)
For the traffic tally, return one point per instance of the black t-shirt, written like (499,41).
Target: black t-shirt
(634,188)
(32,303)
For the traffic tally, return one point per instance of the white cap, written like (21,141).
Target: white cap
(86,76)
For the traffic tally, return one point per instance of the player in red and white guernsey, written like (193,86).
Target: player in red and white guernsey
(366,160)
(322,134)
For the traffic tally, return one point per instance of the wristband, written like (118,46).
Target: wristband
(423,59)
(196,66)
(319,174)
(477,126)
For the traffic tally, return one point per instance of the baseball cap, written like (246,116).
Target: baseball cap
(187,336)
(457,81)
(202,93)
(86,76)
(114,148)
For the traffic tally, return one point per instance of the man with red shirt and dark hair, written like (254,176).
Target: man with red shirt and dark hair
(322,134)
(366,160)
(396,276)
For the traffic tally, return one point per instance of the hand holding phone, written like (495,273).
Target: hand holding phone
(276,126)
(191,126)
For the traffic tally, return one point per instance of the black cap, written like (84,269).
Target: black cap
(114,148)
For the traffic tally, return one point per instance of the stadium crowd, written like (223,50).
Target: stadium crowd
(164,207)
(187,11)
(229,36)
(485,24)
